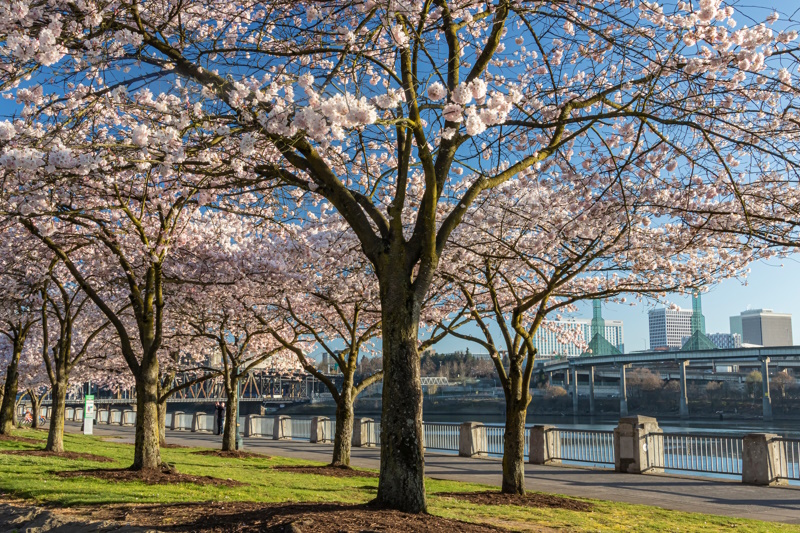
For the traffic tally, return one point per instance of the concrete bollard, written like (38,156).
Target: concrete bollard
(176,420)
(319,429)
(252,426)
(762,460)
(282,427)
(545,446)
(128,418)
(472,440)
(362,433)
(638,446)
(198,422)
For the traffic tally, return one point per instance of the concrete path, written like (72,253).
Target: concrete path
(727,498)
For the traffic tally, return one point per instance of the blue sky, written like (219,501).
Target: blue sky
(772,285)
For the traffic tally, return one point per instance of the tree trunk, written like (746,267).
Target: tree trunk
(343,439)
(514,447)
(162,423)
(147,455)
(36,402)
(55,435)
(401,484)
(231,418)
(7,408)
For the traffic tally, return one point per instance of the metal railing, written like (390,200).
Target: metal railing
(373,433)
(595,447)
(301,428)
(494,440)
(789,458)
(694,452)
(441,436)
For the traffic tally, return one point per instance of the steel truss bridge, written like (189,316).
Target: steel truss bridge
(781,356)
(257,386)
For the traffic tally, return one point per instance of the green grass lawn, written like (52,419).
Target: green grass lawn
(32,478)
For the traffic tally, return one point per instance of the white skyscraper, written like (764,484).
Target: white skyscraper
(669,327)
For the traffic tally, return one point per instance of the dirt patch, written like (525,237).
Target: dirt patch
(169,445)
(235,454)
(61,455)
(246,517)
(19,516)
(164,476)
(333,471)
(523,500)
(26,440)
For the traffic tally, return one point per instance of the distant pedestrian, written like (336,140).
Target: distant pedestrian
(220,408)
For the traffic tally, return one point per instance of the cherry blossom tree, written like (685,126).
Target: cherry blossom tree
(20,278)
(78,325)
(127,218)
(536,247)
(327,300)
(387,108)
(241,343)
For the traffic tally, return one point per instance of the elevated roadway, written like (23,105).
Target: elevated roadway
(784,356)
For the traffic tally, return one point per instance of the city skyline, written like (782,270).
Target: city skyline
(769,286)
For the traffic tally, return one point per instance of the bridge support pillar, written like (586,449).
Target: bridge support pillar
(684,405)
(591,390)
(566,378)
(623,392)
(574,372)
(766,399)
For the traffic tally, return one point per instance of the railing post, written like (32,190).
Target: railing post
(196,422)
(638,446)
(763,460)
(248,425)
(545,446)
(319,425)
(472,439)
(684,401)
(362,427)
(282,427)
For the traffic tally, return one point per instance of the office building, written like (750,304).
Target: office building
(669,327)
(763,327)
(725,341)
(550,340)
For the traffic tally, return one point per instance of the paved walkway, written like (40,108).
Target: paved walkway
(727,498)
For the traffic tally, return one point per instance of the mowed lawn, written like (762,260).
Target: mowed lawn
(34,478)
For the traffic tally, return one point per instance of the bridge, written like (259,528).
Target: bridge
(265,387)
(783,356)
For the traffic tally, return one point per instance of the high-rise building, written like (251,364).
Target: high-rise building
(668,327)
(763,327)
(549,341)
(725,341)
